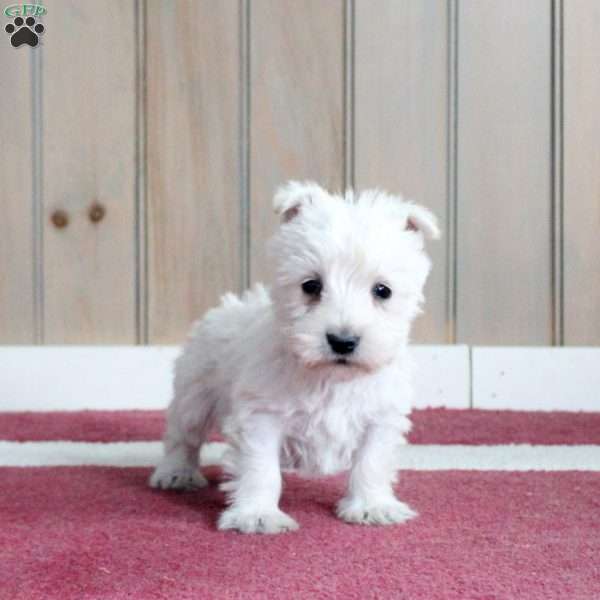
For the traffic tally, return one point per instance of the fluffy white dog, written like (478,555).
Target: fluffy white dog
(313,376)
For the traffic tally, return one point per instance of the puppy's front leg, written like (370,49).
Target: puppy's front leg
(255,487)
(370,498)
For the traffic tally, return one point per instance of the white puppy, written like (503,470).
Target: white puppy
(314,376)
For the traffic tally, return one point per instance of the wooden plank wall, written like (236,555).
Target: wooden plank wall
(142,141)
(17,199)
(581,130)
(401,125)
(504,167)
(296,105)
(193,168)
(88,148)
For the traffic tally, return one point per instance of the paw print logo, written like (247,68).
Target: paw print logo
(24,32)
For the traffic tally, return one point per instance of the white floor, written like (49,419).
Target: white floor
(513,457)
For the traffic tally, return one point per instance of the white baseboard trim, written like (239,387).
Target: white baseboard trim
(49,378)
(442,376)
(540,378)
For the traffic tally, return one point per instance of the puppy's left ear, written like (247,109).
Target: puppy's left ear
(422,220)
(294,197)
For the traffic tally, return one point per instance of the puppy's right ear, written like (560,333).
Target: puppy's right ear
(421,220)
(290,198)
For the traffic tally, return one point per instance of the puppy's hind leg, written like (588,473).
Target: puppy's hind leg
(189,420)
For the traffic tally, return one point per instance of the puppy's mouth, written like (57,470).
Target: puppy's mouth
(328,363)
(351,365)
(345,363)
(339,363)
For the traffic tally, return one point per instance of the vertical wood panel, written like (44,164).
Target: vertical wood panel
(88,156)
(581,172)
(297,85)
(193,160)
(504,150)
(400,120)
(296,130)
(16,226)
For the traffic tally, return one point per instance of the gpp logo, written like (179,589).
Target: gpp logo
(25,10)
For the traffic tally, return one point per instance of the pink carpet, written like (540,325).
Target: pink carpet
(98,532)
(430,426)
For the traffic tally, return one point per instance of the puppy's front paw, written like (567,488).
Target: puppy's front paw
(275,521)
(181,478)
(383,512)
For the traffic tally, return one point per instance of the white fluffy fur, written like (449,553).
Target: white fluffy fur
(260,370)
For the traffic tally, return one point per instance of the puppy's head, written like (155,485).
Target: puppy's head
(349,275)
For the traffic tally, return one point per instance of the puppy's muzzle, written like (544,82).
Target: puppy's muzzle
(342,344)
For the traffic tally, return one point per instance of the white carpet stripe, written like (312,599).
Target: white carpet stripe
(518,457)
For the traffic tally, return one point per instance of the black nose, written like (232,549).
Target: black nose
(342,344)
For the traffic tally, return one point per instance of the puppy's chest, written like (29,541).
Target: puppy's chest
(321,441)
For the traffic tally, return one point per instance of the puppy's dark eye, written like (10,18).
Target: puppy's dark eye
(381,291)
(312,287)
